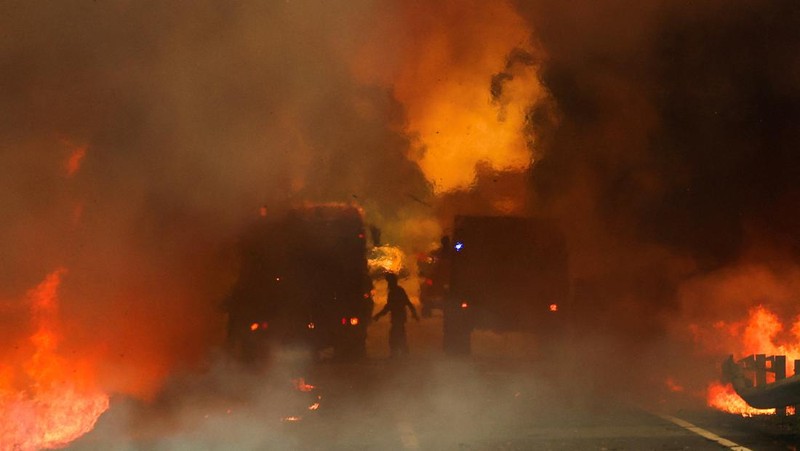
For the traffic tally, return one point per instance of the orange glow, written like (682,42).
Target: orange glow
(354,321)
(459,115)
(762,333)
(386,258)
(311,325)
(262,212)
(300,384)
(464,304)
(74,161)
(553,307)
(314,406)
(77,213)
(724,398)
(673,386)
(55,402)
(758,334)
(254,327)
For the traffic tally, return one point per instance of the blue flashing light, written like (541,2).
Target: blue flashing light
(459,245)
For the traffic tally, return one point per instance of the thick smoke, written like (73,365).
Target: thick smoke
(674,164)
(660,136)
(191,117)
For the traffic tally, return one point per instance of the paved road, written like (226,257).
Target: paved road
(415,404)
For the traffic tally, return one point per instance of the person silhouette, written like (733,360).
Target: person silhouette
(396,303)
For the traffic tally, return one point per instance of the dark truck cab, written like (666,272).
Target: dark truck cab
(302,282)
(507,273)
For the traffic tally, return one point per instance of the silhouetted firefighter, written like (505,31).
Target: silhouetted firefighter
(396,303)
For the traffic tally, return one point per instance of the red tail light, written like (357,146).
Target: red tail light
(464,304)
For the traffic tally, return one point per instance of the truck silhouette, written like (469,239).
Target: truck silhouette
(303,282)
(507,273)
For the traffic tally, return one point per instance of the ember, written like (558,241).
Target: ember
(300,384)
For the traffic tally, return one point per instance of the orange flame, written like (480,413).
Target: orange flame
(386,258)
(724,398)
(456,120)
(759,334)
(300,385)
(55,403)
(467,78)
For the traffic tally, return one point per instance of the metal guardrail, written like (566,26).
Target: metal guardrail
(751,380)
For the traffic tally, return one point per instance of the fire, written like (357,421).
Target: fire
(455,104)
(468,77)
(724,398)
(756,335)
(759,334)
(52,400)
(386,258)
(300,384)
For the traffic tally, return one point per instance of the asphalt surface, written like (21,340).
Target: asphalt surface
(413,403)
(509,401)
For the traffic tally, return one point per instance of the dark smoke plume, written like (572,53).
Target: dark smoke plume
(663,137)
(674,164)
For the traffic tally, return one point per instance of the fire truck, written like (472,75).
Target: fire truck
(434,276)
(506,274)
(302,282)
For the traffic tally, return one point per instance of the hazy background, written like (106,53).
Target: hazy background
(660,136)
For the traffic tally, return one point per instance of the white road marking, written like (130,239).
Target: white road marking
(407,435)
(705,434)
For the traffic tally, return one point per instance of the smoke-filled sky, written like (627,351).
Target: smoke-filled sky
(138,138)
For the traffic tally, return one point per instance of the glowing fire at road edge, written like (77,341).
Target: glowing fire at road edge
(53,408)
